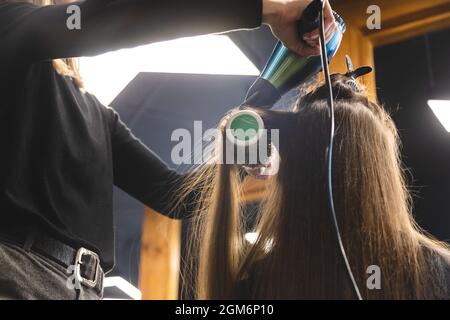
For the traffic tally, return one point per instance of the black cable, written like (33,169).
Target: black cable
(324,56)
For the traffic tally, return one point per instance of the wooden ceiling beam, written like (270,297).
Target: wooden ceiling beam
(400,19)
(411,25)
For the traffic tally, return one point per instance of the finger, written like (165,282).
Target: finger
(328,18)
(329,25)
(307,51)
(314,40)
(311,43)
(291,39)
(314,35)
(330,32)
(314,45)
(311,35)
(330,21)
(327,11)
(302,49)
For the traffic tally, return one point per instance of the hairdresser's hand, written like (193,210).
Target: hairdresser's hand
(282,16)
(267,170)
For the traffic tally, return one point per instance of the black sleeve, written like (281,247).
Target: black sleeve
(143,175)
(29,33)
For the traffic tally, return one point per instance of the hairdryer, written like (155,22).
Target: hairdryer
(285,69)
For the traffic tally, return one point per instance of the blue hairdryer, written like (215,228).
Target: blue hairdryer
(286,69)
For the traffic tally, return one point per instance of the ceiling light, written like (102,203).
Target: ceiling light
(441,109)
(108,74)
(127,288)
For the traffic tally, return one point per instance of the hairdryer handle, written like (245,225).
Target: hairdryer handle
(311,18)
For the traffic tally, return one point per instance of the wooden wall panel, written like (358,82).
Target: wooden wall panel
(160,257)
(360,50)
(407,27)
(355,10)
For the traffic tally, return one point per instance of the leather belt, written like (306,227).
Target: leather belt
(81,263)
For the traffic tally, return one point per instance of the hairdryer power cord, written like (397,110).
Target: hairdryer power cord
(324,56)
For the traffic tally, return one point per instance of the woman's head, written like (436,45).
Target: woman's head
(296,254)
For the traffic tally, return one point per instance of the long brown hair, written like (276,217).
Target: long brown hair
(296,254)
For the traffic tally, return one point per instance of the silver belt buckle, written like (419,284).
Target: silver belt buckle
(79,261)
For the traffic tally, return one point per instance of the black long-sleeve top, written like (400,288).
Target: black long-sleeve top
(61,150)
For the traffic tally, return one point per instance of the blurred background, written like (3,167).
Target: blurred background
(165,86)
